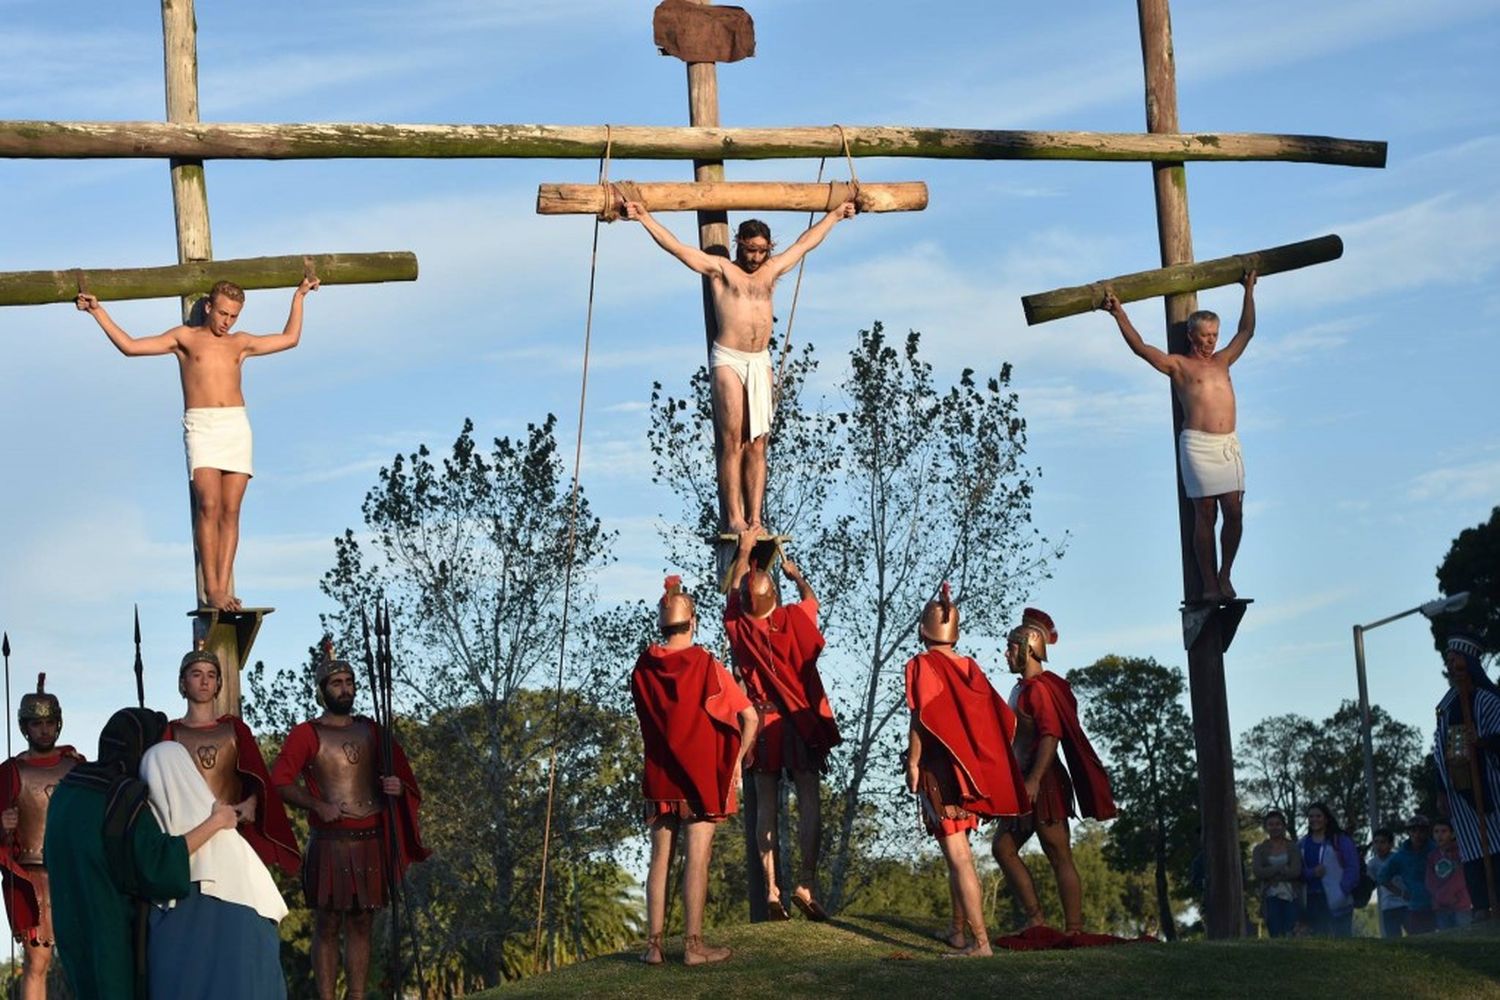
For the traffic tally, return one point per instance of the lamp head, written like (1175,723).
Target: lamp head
(1446,605)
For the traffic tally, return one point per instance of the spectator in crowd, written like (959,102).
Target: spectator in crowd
(1392,903)
(1445,879)
(1405,875)
(1277,866)
(1330,868)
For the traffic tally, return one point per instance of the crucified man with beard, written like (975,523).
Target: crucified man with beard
(740,362)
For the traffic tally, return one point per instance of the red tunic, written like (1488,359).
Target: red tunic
(688,706)
(295,759)
(968,768)
(1049,702)
(271,833)
(778,658)
(21,903)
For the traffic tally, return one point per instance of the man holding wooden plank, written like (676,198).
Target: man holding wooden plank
(216,429)
(1208,450)
(740,363)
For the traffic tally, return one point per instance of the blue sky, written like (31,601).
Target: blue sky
(1367,406)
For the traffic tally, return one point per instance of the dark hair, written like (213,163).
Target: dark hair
(668,631)
(751,228)
(1385,832)
(1332,829)
(1270,813)
(1440,821)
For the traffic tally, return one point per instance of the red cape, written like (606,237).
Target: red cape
(271,834)
(20,897)
(688,707)
(975,725)
(1090,782)
(778,657)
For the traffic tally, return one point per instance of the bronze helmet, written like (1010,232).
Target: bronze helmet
(1036,632)
(939,622)
(675,607)
(39,705)
(758,596)
(329,666)
(198,654)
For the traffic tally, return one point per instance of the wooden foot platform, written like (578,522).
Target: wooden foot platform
(767,553)
(1196,615)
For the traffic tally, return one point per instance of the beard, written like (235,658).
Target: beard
(340,706)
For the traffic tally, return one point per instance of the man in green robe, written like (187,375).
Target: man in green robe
(106,855)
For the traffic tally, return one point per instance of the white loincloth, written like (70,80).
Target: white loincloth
(217,437)
(754,371)
(1211,463)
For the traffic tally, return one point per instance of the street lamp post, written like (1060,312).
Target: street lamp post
(1441,606)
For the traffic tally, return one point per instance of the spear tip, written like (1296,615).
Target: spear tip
(6,646)
(137,624)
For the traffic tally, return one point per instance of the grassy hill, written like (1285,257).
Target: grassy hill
(890,958)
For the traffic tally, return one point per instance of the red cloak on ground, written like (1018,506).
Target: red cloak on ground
(1053,697)
(271,834)
(20,898)
(778,657)
(688,706)
(961,709)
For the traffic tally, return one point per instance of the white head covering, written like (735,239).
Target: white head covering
(226,867)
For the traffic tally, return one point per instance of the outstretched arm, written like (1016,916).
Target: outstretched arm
(290,334)
(131,347)
(788,258)
(794,574)
(1153,356)
(704,263)
(1246,330)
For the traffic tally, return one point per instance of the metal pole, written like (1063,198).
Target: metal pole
(1364,727)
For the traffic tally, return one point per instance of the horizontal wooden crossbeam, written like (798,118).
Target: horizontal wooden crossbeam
(221,141)
(29,288)
(1179,278)
(729,196)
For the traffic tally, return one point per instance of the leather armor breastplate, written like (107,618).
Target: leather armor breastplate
(216,754)
(37,784)
(344,767)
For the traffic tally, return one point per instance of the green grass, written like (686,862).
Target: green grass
(890,958)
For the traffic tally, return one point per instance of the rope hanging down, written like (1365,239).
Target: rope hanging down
(562,646)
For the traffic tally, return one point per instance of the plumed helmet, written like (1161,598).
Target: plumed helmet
(1036,632)
(675,607)
(330,666)
(758,595)
(939,622)
(39,705)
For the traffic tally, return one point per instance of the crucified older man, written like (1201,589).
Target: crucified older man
(740,362)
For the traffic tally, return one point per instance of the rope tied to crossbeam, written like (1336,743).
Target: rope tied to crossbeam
(562,646)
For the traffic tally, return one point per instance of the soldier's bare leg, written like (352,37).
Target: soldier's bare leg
(231,495)
(699,835)
(767,812)
(1059,850)
(731,406)
(325,952)
(663,847)
(1205,513)
(1232,504)
(963,882)
(357,951)
(1007,851)
(208,510)
(36,959)
(809,831)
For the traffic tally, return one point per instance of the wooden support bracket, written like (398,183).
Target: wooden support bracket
(229,636)
(29,288)
(768,551)
(727,196)
(1179,278)
(1196,614)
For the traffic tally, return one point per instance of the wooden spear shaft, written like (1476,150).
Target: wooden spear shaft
(1179,279)
(29,288)
(74,140)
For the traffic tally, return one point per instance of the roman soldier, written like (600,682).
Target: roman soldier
(1046,721)
(1467,754)
(344,871)
(959,760)
(698,727)
(227,755)
(776,651)
(26,784)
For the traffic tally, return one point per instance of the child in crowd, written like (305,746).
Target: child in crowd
(1445,878)
(1392,900)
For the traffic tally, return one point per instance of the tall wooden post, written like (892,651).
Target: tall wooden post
(1223,908)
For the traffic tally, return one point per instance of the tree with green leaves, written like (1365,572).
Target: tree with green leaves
(473,551)
(1472,564)
(892,488)
(1133,708)
(1270,756)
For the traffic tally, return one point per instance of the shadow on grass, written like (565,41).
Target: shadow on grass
(870,934)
